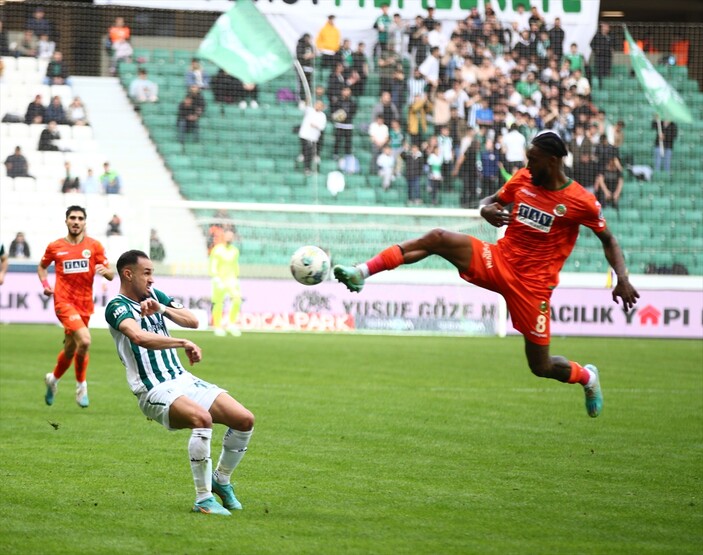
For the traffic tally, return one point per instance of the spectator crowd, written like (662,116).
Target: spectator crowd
(457,109)
(459,101)
(56,113)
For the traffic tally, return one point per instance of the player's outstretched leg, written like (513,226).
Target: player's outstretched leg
(350,276)
(353,276)
(51,387)
(594,395)
(226,493)
(210,507)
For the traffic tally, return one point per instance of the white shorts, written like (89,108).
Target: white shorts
(156,403)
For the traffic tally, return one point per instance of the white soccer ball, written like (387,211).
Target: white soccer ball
(310,265)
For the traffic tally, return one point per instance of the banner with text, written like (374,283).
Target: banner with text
(284,305)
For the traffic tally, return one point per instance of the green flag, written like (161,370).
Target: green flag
(243,43)
(662,96)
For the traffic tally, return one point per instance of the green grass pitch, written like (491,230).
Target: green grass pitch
(364,445)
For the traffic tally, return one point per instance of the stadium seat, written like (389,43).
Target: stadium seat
(264,165)
(176,162)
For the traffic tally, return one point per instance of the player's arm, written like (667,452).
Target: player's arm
(155,341)
(102,267)
(492,210)
(174,311)
(105,271)
(43,274)
(613,254)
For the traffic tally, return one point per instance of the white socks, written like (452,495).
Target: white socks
(200,462)
(364,270)
(234,446)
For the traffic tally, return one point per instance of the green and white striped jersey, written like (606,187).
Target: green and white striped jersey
(146,368)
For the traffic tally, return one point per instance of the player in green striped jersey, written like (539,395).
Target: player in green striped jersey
(166,391)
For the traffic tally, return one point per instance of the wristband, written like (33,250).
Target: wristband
(480,210)
(162,308)
(45,283)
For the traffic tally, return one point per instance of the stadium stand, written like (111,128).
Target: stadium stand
(234,160)
(250,155)
(83,147)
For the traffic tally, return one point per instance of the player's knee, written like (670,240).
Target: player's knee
(434,238)
(201,419)
(83,345)
(245,422)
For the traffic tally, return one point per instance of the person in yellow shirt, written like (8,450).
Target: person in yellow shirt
(328,42)
(224,270)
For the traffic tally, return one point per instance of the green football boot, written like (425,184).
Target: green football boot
(210,507)
(350,276)
(51,387)
(226,493)
(594,395)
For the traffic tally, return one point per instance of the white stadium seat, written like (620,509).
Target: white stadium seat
(18,131)
(64,92)
(82,133)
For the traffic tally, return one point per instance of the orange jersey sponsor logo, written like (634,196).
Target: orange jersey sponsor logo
(76,266)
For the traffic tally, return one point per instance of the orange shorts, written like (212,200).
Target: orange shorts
(529,309)
(71,319)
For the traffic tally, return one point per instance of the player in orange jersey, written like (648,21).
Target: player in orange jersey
(78,258)
(524,265)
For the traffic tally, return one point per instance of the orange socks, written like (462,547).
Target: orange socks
(388,259)
(62,364)
(579,374)
(81,366)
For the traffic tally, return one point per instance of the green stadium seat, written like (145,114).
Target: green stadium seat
(625,214)
(210,176)
(363,196)
(161,56)
(661,204)
(281,193)
(621,70)
(285,165)
(275,179)
(264,165)
(186,176)
(693,217)
(178,162)
(218,191)
(355,182)
(195,149)
(391,197)
(183,57)
(249,177)
(141,55)
(231,178)
(221,163)
(661,258)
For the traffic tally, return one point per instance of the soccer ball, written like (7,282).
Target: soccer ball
(309,265)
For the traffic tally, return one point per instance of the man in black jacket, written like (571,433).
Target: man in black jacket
(343,112)
(35,111)
(305,54)
(602,53)
(48,136)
